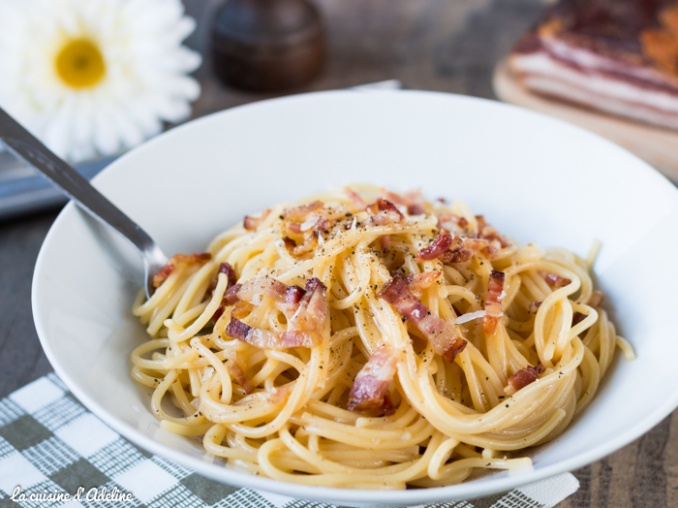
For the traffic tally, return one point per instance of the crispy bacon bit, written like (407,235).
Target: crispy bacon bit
(230,273)
(255,288)
(307,311)
(596,298)
(163,274)
(370,388)
(230,298)
(457,255)
(455,249)
(522,378)
(231,295)
(451,222)
(420,281)
(482,246)
(383,212)
(237,329)
(266,339)
(412,201)
(251,222)
(177,260)
(442,335)
(556,281)
(313,312)
(437,248)
(311,230)
(318,226)
(294,294)
(236,372)
(455,348)
(495,294)
(578,317)
(301,213)
(487,232)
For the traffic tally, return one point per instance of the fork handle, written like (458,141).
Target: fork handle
(27,147)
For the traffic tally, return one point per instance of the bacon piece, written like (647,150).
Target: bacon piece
(495,294)
(163,274)
(437,248)
(458,255)
(255,288)
(251,222)
(487,232)
(294,294)
(230,298)
(231,295)
(451,222)
(236,372)
(412,201)
(301,213)
(312,230)
(482,246)
(457,347)
(383,212)
(522,378)
(178,260)
(370,387)
(266,339)
(556,281)
(313,311)
(443,336)
(417,282)
(596,298)
(578,317)
(454,249)
(307,310)
(230,275)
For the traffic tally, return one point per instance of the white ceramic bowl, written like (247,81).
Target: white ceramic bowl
(536,179)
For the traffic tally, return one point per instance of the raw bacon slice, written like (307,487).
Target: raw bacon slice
(370,387)
(444,336)
(613,56)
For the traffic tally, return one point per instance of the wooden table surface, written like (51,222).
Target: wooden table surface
(444,45)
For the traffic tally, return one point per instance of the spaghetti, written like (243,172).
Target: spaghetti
(367,339)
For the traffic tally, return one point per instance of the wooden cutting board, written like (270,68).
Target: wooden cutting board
(659,147)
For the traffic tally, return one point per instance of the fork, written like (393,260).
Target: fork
(27,147)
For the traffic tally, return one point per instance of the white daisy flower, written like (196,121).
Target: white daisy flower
(95,77)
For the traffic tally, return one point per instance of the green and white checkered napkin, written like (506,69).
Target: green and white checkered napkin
(53,452)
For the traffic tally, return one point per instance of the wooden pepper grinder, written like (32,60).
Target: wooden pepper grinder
(267,45)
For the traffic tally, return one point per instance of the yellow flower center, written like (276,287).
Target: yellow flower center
(80,64)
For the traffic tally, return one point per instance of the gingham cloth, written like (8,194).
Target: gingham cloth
(53,452)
